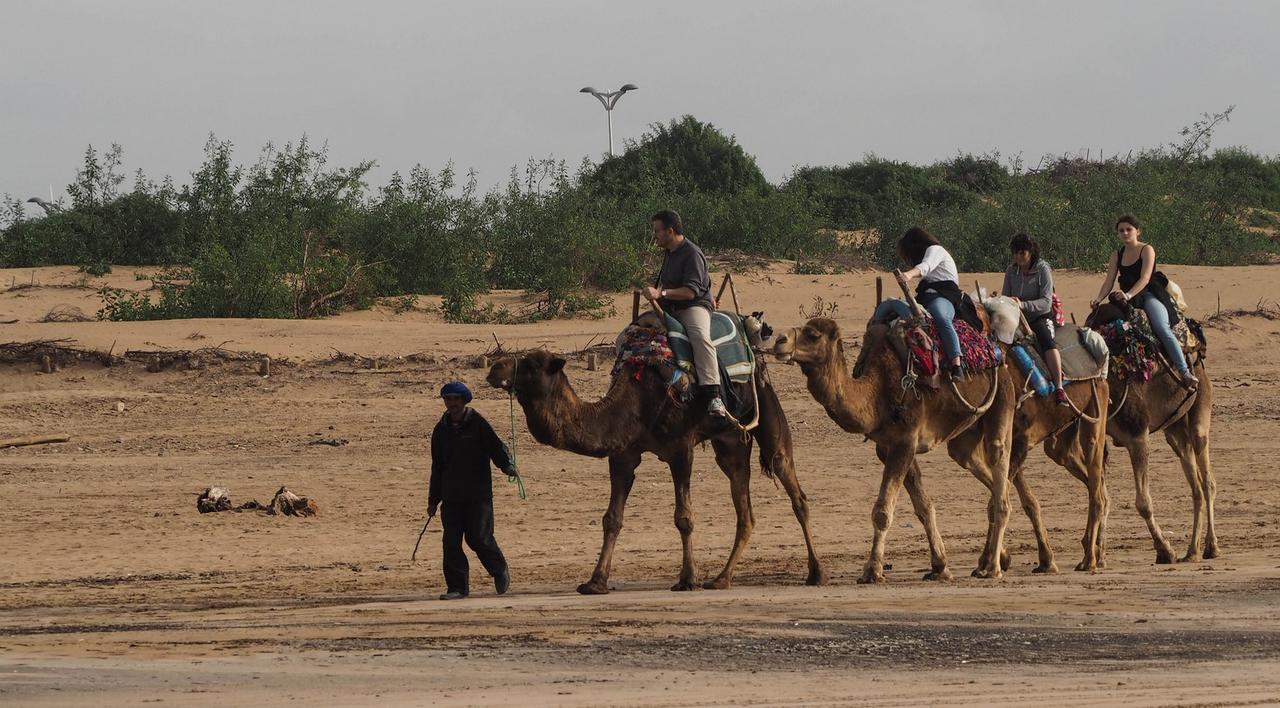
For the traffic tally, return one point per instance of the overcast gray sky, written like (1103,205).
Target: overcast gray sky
(491,84)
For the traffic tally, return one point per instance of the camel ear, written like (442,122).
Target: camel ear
(555,365)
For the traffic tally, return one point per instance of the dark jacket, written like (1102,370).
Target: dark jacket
(460,457)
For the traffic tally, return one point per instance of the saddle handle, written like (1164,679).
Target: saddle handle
(635,306)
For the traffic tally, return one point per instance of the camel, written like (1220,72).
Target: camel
(639,415)
(902,425)
(1164,405)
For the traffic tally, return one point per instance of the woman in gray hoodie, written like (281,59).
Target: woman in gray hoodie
(1029,281)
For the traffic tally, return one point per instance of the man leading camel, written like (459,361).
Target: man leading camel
(683,289)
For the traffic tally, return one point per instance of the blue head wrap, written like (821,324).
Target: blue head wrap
(456,388)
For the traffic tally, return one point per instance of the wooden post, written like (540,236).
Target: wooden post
(635,305)
(879,290)
(733,291)
(591,362)
(264,367)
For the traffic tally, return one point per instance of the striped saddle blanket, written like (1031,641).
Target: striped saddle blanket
(730,340)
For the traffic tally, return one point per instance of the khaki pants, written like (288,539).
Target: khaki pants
(697,324)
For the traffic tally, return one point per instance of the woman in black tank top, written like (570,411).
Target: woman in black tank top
(1136,288)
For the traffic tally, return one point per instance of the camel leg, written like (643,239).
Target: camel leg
(923,505)
(1139,455)
(734,460)
(622,474)
(961,450)
(681,465)
(1198,423)
(995,457)
(784,470)
(1177,437)
(1031,506)
(895,469)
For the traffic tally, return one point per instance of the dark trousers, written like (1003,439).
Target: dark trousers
(472,520)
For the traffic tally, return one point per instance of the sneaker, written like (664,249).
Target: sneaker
(716,408)
(1189,380)
(453,595)
(1060,397)
(502,582)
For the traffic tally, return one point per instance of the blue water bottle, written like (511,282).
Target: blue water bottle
(1028,365)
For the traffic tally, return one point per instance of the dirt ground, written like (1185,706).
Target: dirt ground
(116,591)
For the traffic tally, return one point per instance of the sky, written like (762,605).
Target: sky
(489,85)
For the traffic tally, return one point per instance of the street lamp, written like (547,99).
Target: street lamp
(609,100)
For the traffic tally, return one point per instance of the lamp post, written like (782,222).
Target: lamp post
(609,100)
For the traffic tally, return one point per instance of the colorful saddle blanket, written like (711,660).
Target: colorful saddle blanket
(1134,348)
(976,351)
(730,340)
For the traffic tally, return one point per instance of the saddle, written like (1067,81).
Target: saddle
(1084,353)
(664,345)
(1133,347)
(728,335)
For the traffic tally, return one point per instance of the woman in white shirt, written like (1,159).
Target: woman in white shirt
(938,292)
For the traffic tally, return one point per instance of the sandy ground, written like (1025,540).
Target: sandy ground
(115,591)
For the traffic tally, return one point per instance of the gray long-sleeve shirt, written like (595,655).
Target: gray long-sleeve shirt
(1034,289)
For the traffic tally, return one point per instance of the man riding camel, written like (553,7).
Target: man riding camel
(683,289)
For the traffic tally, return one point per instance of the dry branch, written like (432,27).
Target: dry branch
(23,442)
(58,351)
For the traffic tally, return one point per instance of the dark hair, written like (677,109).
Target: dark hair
(914,243)
(670,220)
(1129,219)
(1022,242)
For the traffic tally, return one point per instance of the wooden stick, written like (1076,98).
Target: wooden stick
(22,442)
(635,305)
(879,290)
(733,290)
(723,284)
(906,292)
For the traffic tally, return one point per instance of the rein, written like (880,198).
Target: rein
(511,408)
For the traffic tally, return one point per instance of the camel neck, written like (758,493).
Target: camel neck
(850,402)
(597,428)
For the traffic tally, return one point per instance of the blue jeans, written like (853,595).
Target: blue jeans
(1158,316)
(939,309)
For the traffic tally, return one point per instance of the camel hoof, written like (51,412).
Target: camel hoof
(1210,552)
(942,575)
(1164,557)
(715,584)
(1191,557)
(985,574)
(683,586)
(871,578)
(1005,560)
(1083,567)
(593,588)
(1051,569)
(816,577)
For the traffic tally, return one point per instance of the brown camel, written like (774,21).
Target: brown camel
(902,425)
(1139,410)
(639,415)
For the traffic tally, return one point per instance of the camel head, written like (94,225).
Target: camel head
(1107,312)
(817,342)
(530,375)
